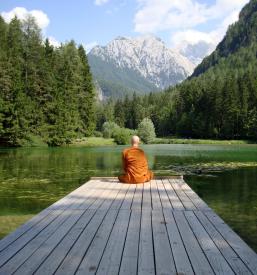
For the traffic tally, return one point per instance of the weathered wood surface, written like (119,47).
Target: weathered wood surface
(106,227)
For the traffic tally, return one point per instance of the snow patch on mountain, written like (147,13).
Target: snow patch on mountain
(148,56)
(196,52)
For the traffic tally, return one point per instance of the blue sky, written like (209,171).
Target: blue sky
(93,22)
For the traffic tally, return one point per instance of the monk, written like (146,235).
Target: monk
(135,164)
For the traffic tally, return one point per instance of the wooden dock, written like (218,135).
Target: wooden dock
(105,227)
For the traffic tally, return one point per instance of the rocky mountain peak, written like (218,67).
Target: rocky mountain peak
(147,56)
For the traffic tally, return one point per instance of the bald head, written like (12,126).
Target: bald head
(135,141)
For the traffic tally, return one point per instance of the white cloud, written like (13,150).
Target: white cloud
(184,17)
(222,8)
(54,42)
(191,36)
(101,2)
(41,18)
(89,46)
(154,15)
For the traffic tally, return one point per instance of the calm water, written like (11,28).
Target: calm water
(33,178)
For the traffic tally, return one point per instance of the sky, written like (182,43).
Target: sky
(97,22)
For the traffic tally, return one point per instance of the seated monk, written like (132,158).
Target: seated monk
(135,164)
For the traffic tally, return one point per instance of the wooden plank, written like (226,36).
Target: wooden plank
(182,263)
(111,258)
(34,261)
(102,238)
(217,261)
(197,258)
(156,201)
(25,238)
(163,195)
(164,262)
(55,258)
(182,196)
(72,260)
(68,200)
(36,219)
(23,229)
(94,194)
(20,256)
(198,202)
(100,199)
(247,255)
(120,197)
(18,244)
(137,200)
(147,200)
(229,254)
(94,253)
(146,253)
(173,197)
(156,177)
(86,197)
(169,177)
(126,204)
(130,252)
(111,196)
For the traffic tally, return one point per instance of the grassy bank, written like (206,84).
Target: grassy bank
(92,141)
(200,141)
(35,141)
(100,141)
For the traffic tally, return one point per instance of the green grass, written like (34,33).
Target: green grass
(33,141)
(10,222)
(93,141)
(199,141)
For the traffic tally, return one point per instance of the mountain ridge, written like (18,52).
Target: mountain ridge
(142,64)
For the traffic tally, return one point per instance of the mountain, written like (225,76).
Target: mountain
(196,52)
(240,40)
(142,64)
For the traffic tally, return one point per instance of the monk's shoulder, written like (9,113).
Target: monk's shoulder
(133,150)
(125,151)
(140,150)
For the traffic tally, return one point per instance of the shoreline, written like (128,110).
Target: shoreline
(100,141)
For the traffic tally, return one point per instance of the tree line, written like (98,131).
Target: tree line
(219,104)
(46,93)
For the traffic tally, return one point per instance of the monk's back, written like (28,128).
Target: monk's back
(136,162)
(135,165)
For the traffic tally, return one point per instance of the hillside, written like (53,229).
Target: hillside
(239,37)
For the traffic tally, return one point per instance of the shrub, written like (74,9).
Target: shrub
(122,136)
(97,134)
(146,130)
(109,128)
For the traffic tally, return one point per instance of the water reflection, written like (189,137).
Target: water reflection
(233,195)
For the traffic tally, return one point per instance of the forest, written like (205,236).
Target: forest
(48,93)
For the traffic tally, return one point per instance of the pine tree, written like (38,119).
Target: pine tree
(86,96)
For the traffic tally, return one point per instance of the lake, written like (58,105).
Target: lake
(33,178)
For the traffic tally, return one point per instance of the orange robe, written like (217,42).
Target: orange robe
(135,166)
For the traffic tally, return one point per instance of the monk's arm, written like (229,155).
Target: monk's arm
(124,162)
